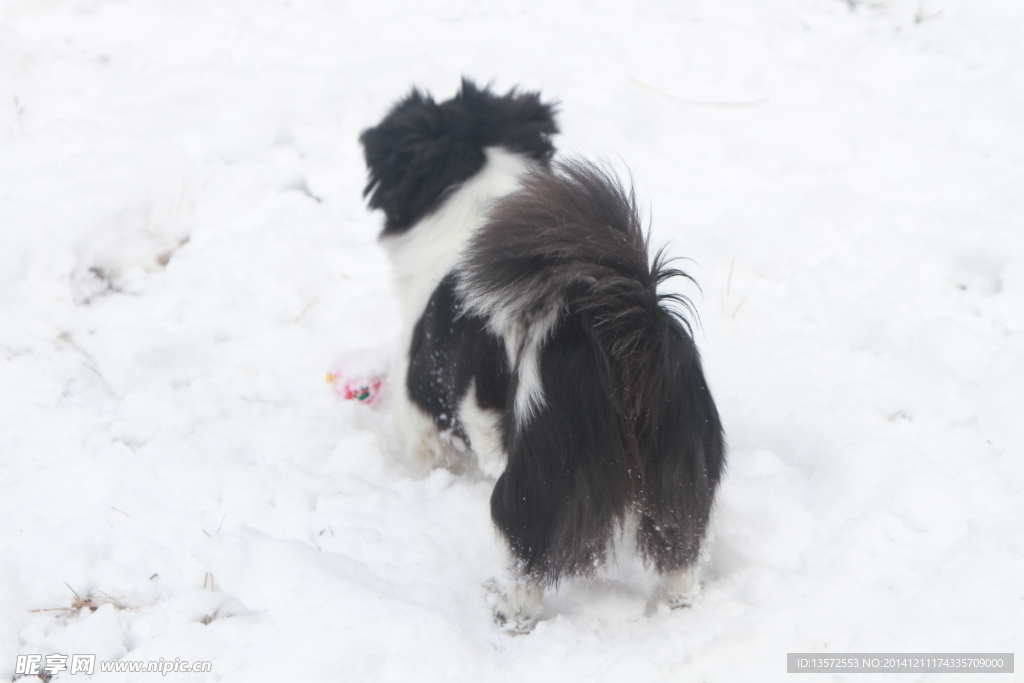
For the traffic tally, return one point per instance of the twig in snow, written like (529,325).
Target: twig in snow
(90,602)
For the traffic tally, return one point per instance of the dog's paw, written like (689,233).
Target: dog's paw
(518,610)
(680,600)
(517,624)
(681,588)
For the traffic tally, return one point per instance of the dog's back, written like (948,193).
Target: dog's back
(546,347)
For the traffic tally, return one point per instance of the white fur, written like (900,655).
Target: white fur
(681,586)
(482,426)
(524,333)
(428,251)
(421,257)
(530,391)
(520,607)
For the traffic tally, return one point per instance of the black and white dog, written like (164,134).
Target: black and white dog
(534,335)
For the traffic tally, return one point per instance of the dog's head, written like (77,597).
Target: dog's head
(423,149)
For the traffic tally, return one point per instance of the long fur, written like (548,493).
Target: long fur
(422,150)
(544,345)
(625,421)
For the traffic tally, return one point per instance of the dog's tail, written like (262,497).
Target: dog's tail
(610,410)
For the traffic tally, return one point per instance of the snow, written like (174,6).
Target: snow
(185,256)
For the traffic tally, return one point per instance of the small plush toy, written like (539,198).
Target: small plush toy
(359,376)
(364,389)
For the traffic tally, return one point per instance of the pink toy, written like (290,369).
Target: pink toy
(363,389)
(360,376)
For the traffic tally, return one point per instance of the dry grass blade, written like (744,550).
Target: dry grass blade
(90,602)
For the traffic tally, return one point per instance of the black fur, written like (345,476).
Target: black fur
(449,349)
(628,423)
(423,150)
(566,483)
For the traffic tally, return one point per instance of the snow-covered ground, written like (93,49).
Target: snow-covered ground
(185,255)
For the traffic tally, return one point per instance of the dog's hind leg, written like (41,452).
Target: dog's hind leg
(483,427)
(520,607)
(565,486)
(419,432)
(686,454)
(680,587)
(673,546)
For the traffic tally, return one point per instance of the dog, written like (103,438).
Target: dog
(534,336)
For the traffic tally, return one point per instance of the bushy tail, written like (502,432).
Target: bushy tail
(611,411)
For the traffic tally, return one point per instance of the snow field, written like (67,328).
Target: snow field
(184,256)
